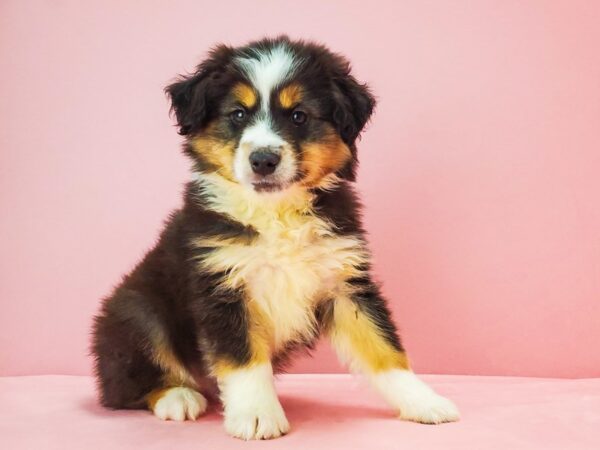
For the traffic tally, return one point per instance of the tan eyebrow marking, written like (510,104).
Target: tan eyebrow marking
(290,95)
(245,95)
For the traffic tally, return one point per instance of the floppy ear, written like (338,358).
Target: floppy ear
(193,96)
(354,105)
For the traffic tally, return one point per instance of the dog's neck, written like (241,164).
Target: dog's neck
(257,209)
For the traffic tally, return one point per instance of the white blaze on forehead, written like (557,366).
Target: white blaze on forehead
(268,69)
(260,134)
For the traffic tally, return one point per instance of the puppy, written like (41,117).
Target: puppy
(266,254)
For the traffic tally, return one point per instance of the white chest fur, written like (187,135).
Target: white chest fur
(294,262)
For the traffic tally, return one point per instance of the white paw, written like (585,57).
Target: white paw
(180,403)
(252,409)
(429,409)
(260,422)
(413,399)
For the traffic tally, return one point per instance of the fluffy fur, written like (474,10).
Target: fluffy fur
(266,254)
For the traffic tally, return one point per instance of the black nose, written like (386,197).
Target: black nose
(264,162)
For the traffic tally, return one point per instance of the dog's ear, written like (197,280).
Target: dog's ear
(193,97)
(353,107)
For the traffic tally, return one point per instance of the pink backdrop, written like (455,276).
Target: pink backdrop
(480,172)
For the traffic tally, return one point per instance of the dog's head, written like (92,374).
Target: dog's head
(272,114)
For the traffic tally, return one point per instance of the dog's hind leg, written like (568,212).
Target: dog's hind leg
(135,365)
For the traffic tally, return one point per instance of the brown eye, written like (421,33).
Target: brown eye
(299,117)
(238,115)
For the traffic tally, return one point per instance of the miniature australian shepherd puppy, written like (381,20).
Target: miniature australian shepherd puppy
(266,254)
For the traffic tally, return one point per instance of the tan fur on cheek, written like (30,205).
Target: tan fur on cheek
(322,158)
(217,153)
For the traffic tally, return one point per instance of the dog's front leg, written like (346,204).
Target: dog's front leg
(245,376)
(251,407)
(364,336)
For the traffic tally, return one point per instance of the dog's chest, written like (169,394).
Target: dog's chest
(287,269)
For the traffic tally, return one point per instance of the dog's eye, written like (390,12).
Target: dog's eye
(238,115)
(299,117)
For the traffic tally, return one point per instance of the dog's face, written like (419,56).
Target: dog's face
(272,114)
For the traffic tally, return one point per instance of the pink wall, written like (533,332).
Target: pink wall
(480,171)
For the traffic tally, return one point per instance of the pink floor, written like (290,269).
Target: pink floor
(326,412)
